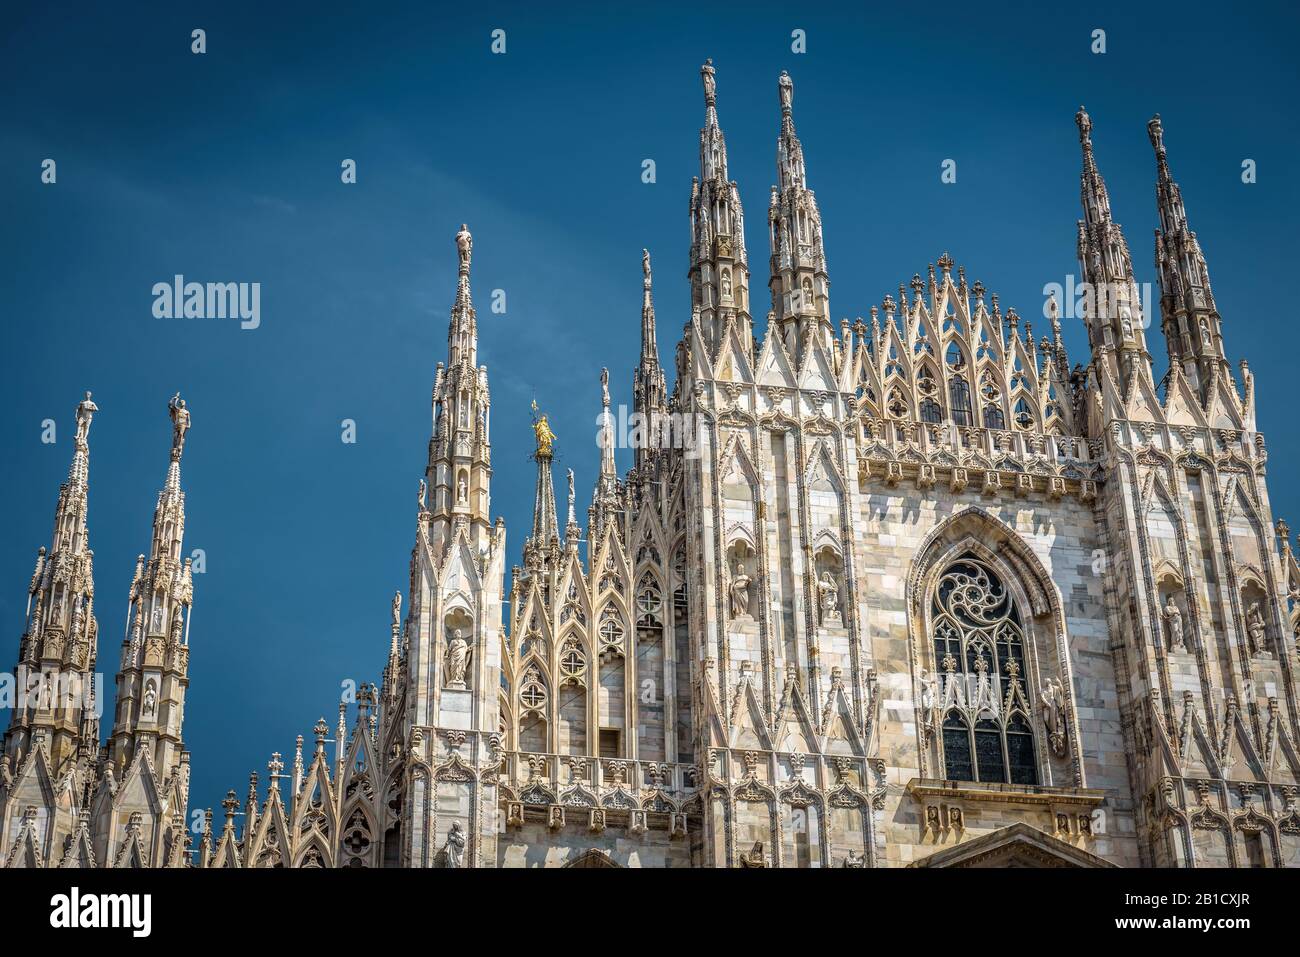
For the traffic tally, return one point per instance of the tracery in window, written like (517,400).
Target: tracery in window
(987,730)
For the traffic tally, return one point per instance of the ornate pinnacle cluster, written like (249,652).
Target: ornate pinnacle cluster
(1189,316)
(161,594)
(456,477)
(1115,323)
(61,631)
(798,282)
(719,265)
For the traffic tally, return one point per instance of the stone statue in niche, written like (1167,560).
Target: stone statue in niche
(1053,708)
(150,706)
(929,699)
(740,593)
(454,849)
(1173,624)
(458,655)
(462,490)
(1255,629)
(828,594)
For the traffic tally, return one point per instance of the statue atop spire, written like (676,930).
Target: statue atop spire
(465,247)
(785,89)
(710,84)
(180,424)
(542,431)
(1084,122)
(85,412)
(1156,133)
(573,514)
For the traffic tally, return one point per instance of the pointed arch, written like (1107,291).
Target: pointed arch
(987,632)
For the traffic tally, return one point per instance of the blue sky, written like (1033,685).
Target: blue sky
(225,167)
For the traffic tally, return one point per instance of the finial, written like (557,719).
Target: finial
(465,248)
(710,84)
(321,729)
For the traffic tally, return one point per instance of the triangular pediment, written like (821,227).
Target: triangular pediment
(1017,845)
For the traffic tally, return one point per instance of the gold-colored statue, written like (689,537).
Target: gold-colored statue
(542,429)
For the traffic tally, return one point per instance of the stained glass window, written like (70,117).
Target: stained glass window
(979,651)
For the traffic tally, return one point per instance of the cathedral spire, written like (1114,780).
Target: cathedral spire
(154,670)
(713,147)
(1113,306)
(60,638)
(459,469)
(545,526)
(799,283)
(605,501)
(1189,316)
(462,333)
(649,393)
(719,270)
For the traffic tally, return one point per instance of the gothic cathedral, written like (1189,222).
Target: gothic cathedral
(901,592)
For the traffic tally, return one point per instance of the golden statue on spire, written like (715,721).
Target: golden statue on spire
(542,429)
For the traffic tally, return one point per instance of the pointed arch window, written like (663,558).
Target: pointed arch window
(979,646)
(1023,415)
(648,603)
(573,666)
(959,401)
(992,396)
(611,633)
